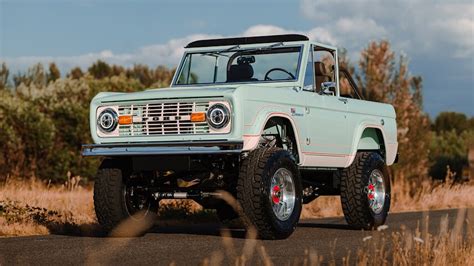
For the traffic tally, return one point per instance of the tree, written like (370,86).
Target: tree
(449,148)
(35,75)
(163,75)
(100,70)
(377,67)
(118,70)
(141,73)
(158,77)
(4,73)
(344,61)
(384,79)
(447,121)
(453,135)
(76,73)
(54,72)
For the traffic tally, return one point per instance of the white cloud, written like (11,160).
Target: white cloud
(317,34)
(424,27)
(265,30)
(168,53)
(361,27)
(418,27)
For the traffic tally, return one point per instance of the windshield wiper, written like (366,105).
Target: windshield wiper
(230,49)
(237,47)
(272,46)
(220,53)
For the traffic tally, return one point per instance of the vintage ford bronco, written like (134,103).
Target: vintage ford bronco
(271,120)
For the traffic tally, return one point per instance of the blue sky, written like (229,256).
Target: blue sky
(437,36)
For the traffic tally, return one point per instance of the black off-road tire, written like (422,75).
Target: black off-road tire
(109,202)
(354,198)
(253,192)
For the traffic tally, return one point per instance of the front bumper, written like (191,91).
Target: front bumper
(163,148)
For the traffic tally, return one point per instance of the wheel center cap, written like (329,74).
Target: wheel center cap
(371,191)
(276,194)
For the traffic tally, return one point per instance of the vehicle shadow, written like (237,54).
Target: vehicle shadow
(179,227)
(326,226)
(216,229)
(209,229)
(71,229)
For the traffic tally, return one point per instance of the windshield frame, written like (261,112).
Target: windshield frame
(241,49)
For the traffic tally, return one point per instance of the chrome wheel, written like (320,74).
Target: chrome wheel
(376,191)
(282,194)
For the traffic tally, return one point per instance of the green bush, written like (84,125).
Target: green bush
(449,148)
(44,119)
(43,128)
(27,136)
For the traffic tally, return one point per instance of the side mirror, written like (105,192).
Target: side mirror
(328,88)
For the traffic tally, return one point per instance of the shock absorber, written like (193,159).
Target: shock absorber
(184,195)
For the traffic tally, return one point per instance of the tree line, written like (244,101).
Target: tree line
(44,115)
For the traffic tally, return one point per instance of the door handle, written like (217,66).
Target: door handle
(297,89)
(343,100)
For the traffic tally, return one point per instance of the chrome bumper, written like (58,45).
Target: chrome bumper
(163,148)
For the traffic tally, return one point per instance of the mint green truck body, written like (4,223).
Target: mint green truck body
(258,117)
(330,129)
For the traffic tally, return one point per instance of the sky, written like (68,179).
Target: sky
(436,36)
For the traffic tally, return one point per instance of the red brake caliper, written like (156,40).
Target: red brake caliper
(276,194)
(370,193)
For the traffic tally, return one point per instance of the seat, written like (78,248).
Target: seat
(240,72)
(321,75)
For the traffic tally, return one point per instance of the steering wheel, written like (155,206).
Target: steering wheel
(277,69)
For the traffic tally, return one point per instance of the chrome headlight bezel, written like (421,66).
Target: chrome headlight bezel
(107,120)
(218,116)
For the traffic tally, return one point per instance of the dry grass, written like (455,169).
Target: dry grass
(450,246)
(428,196)
(34,208)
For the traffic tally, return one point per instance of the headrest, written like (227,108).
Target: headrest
(320,69)
(240,72)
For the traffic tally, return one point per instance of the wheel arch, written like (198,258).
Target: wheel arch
(251,141)
(370,138)
(122,163)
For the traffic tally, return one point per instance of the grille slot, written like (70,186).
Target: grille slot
(163,118)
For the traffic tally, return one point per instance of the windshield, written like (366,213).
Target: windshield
(235,65)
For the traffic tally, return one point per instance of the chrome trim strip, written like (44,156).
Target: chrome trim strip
(163,148)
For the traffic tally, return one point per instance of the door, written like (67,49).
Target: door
(328,140)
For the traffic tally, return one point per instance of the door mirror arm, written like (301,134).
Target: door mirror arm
(328,88)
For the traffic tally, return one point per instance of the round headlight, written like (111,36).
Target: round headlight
(218,116)
(107,120)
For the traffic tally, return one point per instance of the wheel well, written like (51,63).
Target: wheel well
(372,139)
(283,127)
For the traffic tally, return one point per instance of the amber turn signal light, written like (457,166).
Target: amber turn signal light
(198,117)
(125,120)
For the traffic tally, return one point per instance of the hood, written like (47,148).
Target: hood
(165,93)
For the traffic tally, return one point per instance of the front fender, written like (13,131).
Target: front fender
(254,125)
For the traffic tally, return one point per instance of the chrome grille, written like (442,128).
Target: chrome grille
(163,118)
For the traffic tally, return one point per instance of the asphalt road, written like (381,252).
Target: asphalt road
(198,243)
